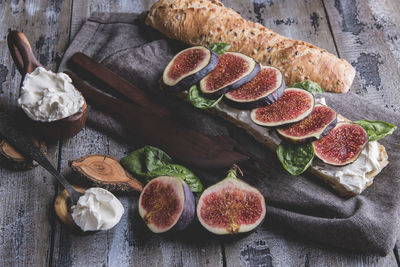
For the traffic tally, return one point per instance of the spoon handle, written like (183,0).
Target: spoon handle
(21,52)
(23,144)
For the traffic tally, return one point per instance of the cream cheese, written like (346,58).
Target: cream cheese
(353,176)
(47,96)
(97,209)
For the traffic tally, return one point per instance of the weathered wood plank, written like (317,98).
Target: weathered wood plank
(271,247)
(129,243)
(27,197)
(304,20)
(367,35)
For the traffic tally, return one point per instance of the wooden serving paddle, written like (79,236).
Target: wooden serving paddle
(182,143)
(106,76)
(98,71)
(26,62)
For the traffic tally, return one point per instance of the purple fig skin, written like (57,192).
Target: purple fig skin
(351,160)
(189,209)
(284,123)
(236,84)
(184,198)
(190,80)
(264,101)
(312,138)
(234,228)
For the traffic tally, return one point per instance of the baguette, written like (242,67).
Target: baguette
(202,22)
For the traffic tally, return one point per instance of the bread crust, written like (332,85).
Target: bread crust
(202,22)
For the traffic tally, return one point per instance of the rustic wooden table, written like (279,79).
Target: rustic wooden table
(366,33)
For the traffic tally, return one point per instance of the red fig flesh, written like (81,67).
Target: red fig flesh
(231,206)
(317,125)
(267,87)
(188,67)
(342,145)
(232,71)
(166,203)
(295,105)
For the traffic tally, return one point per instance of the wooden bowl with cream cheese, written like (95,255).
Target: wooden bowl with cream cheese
(26,63)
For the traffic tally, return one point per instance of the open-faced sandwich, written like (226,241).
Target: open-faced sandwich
(243,75)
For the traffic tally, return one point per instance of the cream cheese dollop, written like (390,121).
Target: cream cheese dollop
(47,96)
(354,176)
(97,209)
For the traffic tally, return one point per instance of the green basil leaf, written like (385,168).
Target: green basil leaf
(376,129)
(295,158)
(155,157)
(145,159)
(199,101)
(179,171)
(149,162)
(309,86)
(219,48)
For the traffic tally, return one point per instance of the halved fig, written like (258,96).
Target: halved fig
(232,71)
(267,87)
(294,105)
(320,122)
(342,145)
(188,67)
(166,203)
(231,206)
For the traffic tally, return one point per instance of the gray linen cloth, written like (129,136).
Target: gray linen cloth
(301,204)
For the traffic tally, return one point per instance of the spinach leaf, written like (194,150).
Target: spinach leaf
(177,170)
(199,101)
(149,162)
(376,129)
(309,86)
(145,159)
(295,158)
(219,48)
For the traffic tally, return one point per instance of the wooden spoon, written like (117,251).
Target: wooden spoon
(26,62)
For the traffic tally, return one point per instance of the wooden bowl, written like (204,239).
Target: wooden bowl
(26,62)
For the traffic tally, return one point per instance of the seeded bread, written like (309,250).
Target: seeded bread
(202,22)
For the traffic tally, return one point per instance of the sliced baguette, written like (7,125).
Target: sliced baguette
(268,137)
(202,22)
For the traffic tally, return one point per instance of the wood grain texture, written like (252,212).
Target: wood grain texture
(27,219)
(367,34)
(272,247)
(26,211)
(305,21)
(130,243)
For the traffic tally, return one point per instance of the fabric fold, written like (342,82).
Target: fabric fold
(367,223)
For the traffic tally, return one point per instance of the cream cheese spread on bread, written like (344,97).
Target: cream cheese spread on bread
(353,177)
